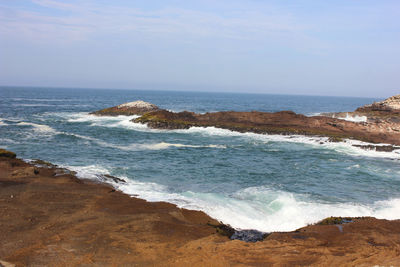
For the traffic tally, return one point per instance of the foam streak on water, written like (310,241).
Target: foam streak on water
(318,142)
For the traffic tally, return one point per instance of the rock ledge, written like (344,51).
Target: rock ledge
(130,108)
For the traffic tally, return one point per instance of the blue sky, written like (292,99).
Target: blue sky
(348,47)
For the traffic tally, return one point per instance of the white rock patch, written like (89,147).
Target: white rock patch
(138,104)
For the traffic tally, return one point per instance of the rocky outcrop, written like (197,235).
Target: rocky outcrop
(131,108)
(284,122)
(388,106)
(383,116)
(375,123)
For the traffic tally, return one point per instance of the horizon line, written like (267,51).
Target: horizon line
(187,91)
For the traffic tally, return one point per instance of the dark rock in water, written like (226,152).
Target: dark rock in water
(43,164)
(388,148)
(110,178)
(248,235)
(131,108)
(7,154)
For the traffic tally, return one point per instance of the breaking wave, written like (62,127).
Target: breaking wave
(39,128)
(354,118)
(260,208)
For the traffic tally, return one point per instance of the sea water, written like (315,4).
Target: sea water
(247,180)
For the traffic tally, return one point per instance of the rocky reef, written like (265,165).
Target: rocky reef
(375,123)
(283,122)
(131,108)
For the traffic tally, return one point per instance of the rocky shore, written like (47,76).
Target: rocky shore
(383,115)
(380,126)
(49,217)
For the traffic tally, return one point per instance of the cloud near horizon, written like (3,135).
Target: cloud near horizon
(292,47)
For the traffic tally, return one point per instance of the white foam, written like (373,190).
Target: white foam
(164,145)
(313,114)
(2,123)
(39,128)
(354,118)
(7,141)
(141,146)
(85,117)
(345,147)
(149,146)
(260,208)
(88,172)
(120,121)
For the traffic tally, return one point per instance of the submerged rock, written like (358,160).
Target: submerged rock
(131,108)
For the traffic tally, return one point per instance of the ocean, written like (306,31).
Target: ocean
(247,180)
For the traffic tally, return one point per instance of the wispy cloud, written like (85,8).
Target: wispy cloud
(86,20)
(229,43)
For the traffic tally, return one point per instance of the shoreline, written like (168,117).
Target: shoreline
(54,218)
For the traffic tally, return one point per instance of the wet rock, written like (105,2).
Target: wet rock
(7,154)
(378,148)
(110,178)
(248,235)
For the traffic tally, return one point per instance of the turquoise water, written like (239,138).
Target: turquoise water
(263,182)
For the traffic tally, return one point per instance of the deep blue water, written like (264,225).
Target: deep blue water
(266,182)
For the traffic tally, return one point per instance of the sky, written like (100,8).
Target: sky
(308,47)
